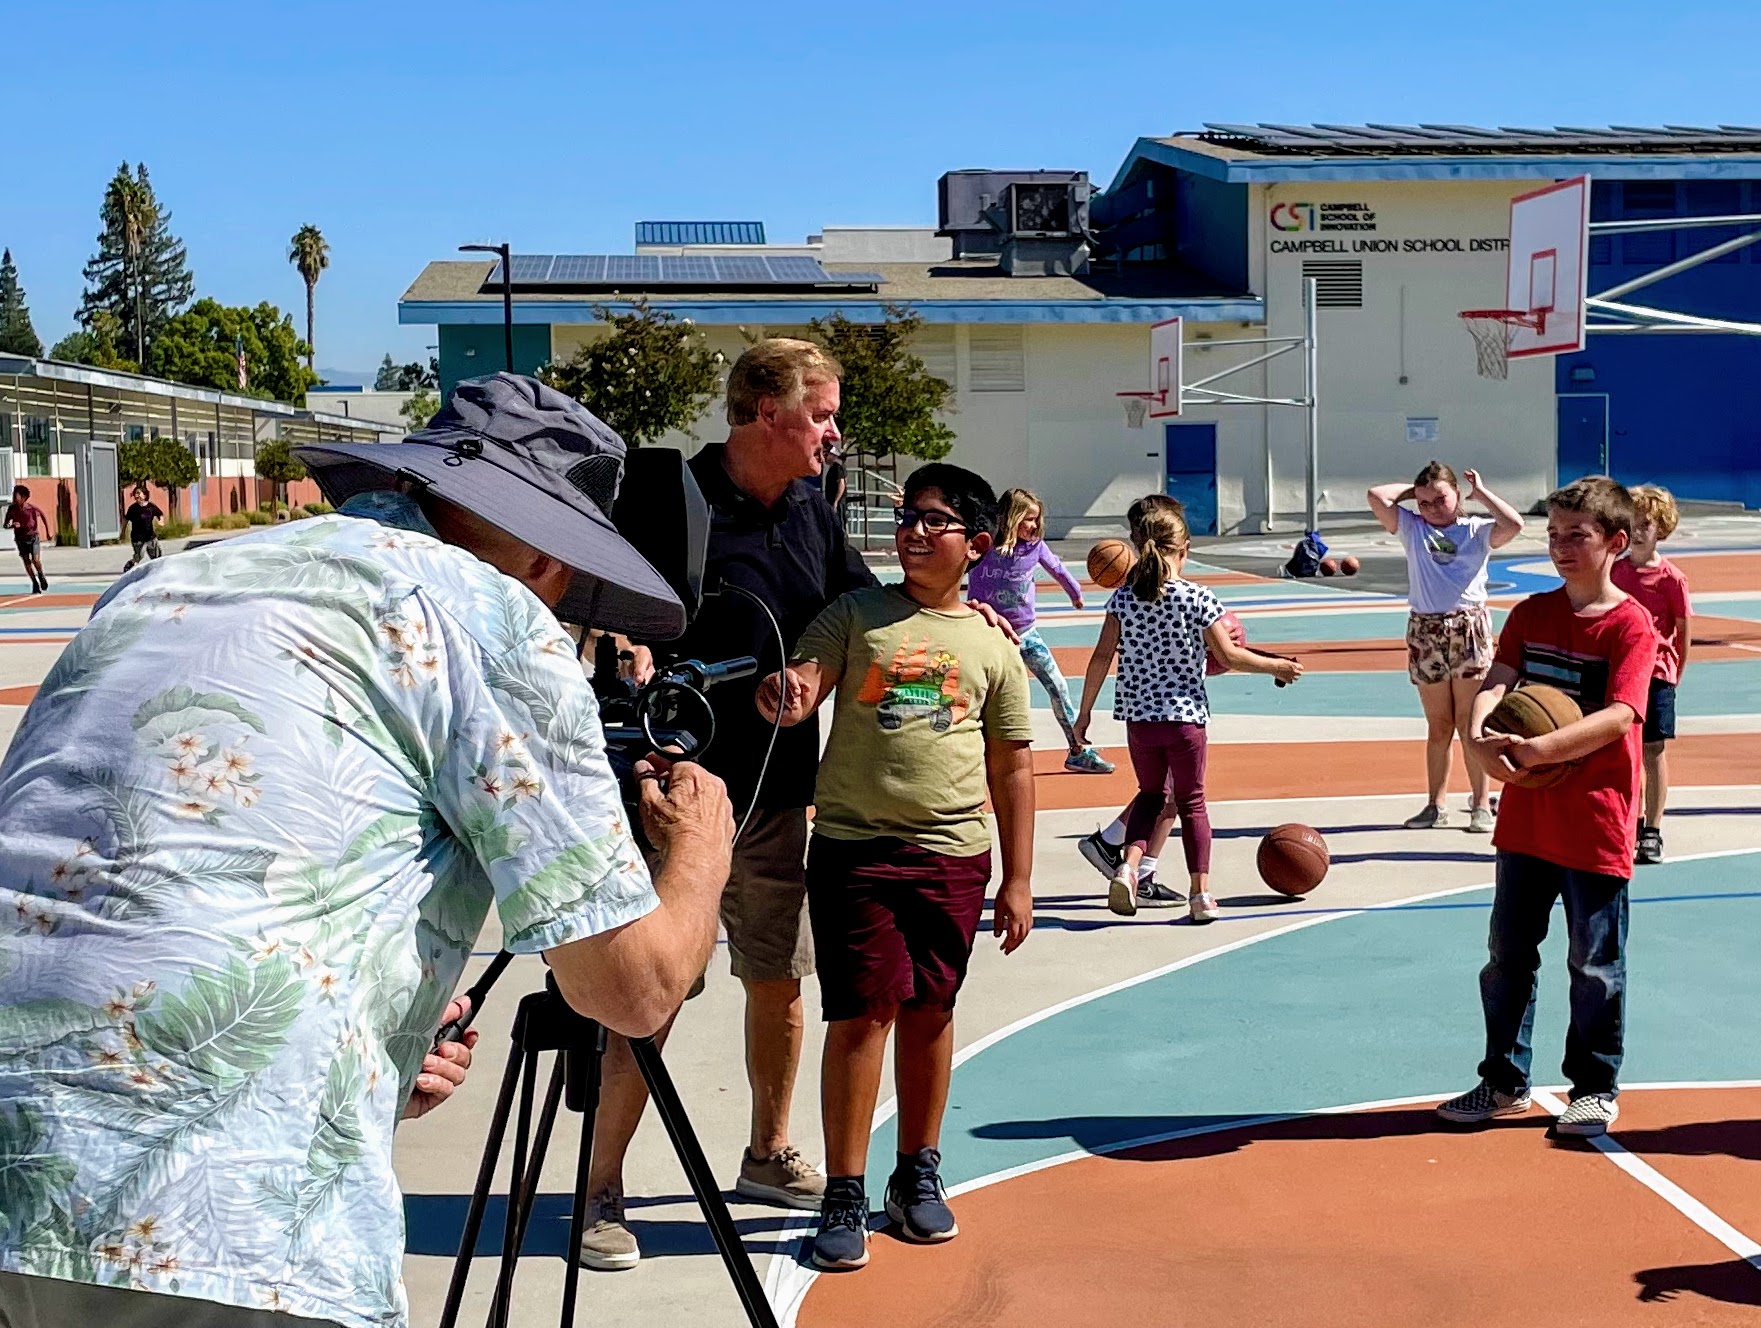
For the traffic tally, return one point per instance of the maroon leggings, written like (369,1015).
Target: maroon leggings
(1169,759)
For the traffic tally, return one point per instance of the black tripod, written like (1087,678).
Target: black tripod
(544,1022)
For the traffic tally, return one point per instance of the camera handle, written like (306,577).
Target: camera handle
(544,1022)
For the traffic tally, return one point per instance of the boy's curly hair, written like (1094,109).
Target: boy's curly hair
(1656,504)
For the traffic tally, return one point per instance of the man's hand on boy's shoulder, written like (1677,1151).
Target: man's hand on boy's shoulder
(1012,914)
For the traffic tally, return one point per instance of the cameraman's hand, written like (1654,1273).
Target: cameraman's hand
(443,1069)
(637,664)
(692,809)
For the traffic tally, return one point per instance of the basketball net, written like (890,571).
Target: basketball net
(1137,410)
(1492,330)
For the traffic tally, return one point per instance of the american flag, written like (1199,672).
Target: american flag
(243,373)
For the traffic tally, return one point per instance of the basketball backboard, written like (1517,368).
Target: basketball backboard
(1549,265)
(1164,380)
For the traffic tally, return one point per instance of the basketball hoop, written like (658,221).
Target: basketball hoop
(1137,406)
(1492,330)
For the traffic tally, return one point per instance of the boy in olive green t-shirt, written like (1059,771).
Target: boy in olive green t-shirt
(931,713)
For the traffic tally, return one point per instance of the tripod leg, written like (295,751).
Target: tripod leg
(697,1172)
(461,1268)
(510,1250)
(540,1145)
(591,1073)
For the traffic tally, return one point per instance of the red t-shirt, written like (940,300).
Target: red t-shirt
(1662,590)
(1588,820)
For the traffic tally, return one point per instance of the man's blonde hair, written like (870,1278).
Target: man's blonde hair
(779,367)
(1653,502)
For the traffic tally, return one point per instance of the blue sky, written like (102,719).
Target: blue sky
(404,130)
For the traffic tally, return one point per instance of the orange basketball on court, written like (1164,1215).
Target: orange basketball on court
(1293,859)
(1237,634)
(1349,565)
(1109,563)
(1329,567)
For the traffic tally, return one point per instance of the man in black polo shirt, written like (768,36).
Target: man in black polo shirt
(774,536)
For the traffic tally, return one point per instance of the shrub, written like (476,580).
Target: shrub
(170,530)
(257,518)
(318,509)
(215,522)
(235,521)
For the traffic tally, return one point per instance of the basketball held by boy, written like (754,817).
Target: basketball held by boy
(1571,840)
(931,716)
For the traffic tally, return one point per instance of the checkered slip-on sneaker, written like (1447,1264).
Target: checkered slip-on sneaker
(1483,1102)
(1588,1115)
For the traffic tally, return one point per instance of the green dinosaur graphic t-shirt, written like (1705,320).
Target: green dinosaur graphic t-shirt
(919,692)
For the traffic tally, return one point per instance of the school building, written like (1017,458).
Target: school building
(1037,291)
(49,410)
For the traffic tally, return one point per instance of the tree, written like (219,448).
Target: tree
(96,346)
(889,401)
(309,252)
(386,380)
(140,273)
(134,461)
(650,374)
(277,464)
(201,347)
(411,377)
(173,467)
(17,336)
(419,409)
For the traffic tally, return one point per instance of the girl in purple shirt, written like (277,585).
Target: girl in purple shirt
(1004,580)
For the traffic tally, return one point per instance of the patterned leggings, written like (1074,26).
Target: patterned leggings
(1038,657)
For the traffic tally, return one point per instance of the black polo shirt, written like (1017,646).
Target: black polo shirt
(794,557)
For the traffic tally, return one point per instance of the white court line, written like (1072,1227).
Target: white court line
(787,1282)
(1667,1190)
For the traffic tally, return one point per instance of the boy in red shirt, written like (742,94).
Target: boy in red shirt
(23,519)
(1573,840)
(1662,590)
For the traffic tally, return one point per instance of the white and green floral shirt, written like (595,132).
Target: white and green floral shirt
(249,831)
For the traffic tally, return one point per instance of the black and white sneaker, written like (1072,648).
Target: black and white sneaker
(1483,1102)
(1151,893)
(1588,1115)
(1099,854)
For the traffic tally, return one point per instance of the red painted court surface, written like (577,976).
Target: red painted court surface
(1379,1219)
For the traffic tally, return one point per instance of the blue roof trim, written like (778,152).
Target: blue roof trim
(724,313)
(1274,170)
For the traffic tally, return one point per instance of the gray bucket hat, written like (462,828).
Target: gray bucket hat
(540,466)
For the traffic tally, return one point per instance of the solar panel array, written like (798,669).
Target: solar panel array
(642,271)
(700,232)
(1332,140)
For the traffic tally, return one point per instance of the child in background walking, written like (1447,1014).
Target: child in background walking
(24,518)
(1160,625)
(1004,579)
(1662,591)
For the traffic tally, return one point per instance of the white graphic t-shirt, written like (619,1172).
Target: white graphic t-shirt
(1446,565)
(1162,653)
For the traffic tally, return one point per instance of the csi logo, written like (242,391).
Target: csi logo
(1293,216)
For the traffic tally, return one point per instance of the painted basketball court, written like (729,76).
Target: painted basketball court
(1171,1124)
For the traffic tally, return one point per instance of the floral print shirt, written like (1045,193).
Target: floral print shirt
(249,831)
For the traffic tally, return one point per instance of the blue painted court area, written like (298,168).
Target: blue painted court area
(1360,1007)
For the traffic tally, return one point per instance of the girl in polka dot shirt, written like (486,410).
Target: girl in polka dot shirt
(1160,626)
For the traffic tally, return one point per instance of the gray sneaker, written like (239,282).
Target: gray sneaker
(1481,821)
(1432,818)
(1482,1102)
(1588,1115)
(787,1179)
(607,1244)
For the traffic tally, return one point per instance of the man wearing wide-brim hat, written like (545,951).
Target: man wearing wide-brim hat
(227,937)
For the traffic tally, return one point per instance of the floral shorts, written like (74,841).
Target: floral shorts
(1441,647)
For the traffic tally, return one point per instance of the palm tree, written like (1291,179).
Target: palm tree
(136,216)
(308,252)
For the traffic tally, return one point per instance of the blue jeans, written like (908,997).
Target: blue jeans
(1596,923)
(1037,655)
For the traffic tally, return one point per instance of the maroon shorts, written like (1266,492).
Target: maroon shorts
(893,924)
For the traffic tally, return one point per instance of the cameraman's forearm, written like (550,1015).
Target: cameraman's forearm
(689,884)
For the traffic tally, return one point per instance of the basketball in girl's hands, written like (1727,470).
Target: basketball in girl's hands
(1237,634)
(1349,565)
(1531,711)
(1109,563)
(1293,859)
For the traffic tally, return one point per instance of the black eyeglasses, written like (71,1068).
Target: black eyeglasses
(932,521)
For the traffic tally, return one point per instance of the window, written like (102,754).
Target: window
(934,345)
(39,440)
(997,360)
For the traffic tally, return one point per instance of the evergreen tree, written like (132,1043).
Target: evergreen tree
(17,336)
(140,273)
(387,379)
(891,403)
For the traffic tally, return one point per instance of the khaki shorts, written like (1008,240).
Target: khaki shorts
(1441,647)
(764,908)
(47,1302)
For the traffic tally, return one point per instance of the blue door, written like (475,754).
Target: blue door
(1583,436)
(1189,456)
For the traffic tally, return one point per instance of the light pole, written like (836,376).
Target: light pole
(507,293)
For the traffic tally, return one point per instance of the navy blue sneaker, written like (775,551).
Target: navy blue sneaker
(917,1201)
(841,1243)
